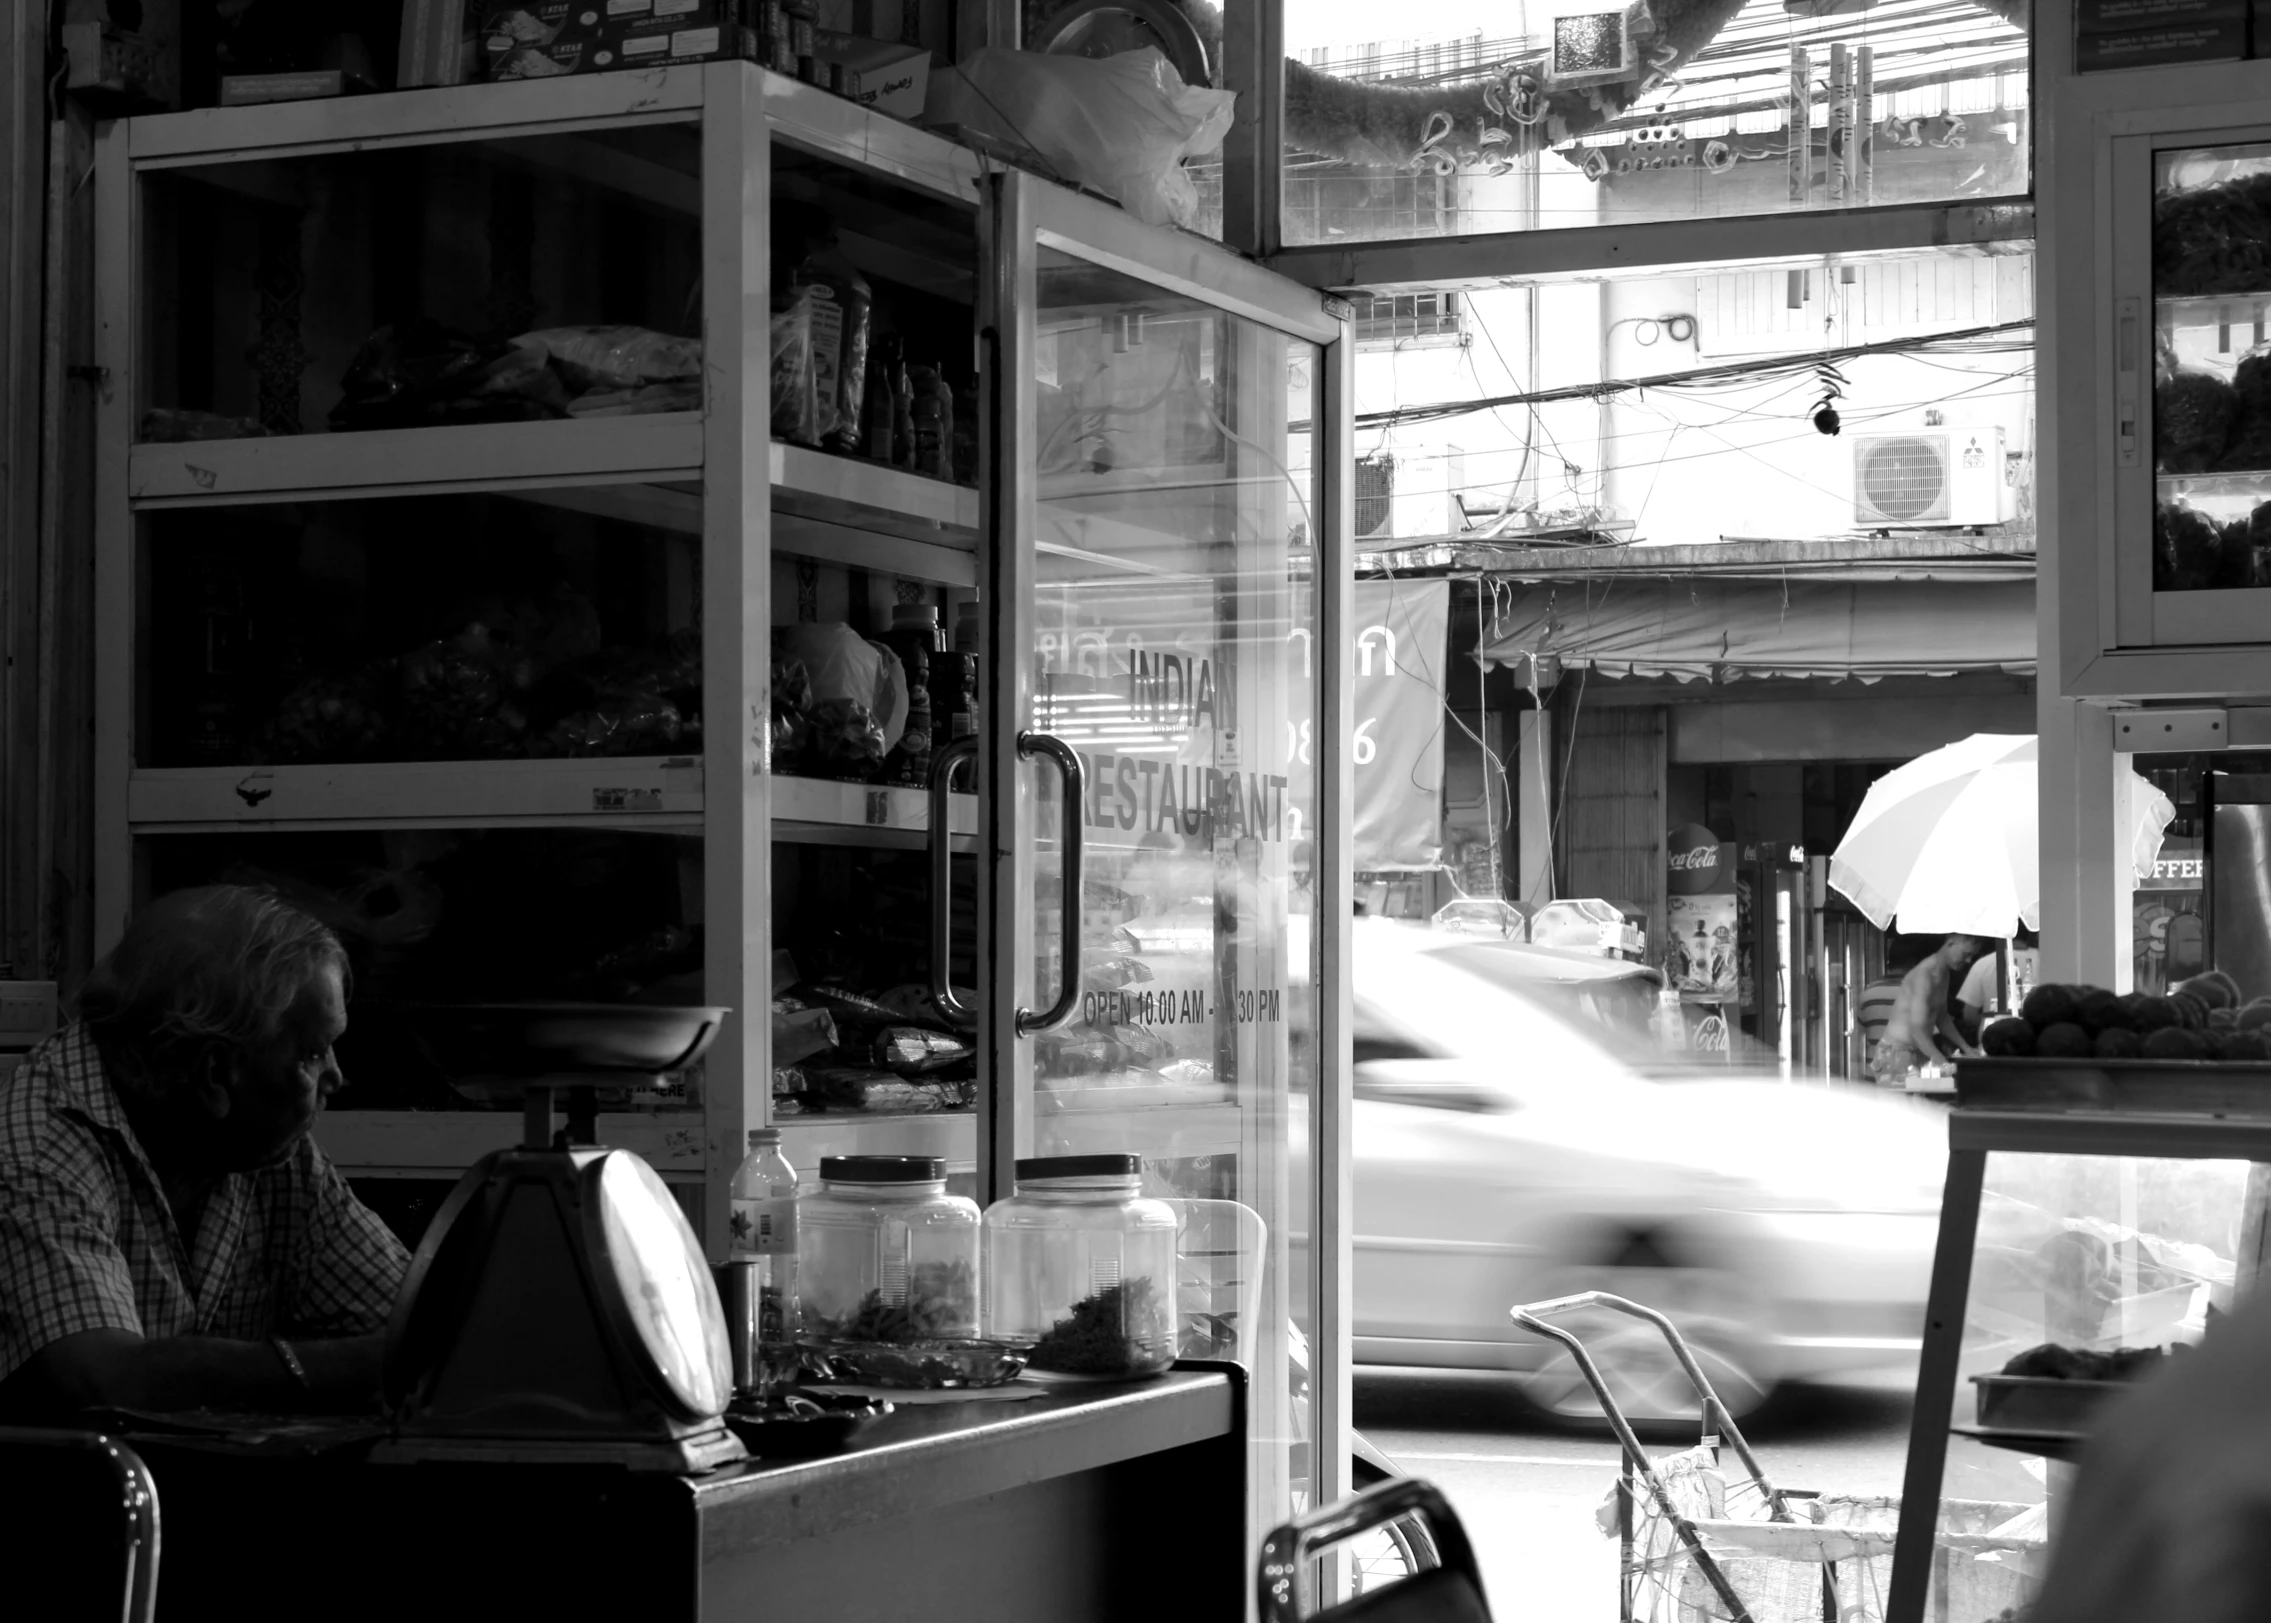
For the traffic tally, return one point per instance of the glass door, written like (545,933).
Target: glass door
(1165,508)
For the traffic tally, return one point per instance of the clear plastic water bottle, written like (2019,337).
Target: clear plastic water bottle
(761,1295)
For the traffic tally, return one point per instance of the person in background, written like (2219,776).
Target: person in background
(1923,1017)
(171,1237)
(1873,1008)
(1982,993)
(1980,996)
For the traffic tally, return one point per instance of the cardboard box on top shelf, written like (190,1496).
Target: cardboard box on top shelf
(891,78)
(122,56)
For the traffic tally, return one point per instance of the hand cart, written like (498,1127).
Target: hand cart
(1697,1548)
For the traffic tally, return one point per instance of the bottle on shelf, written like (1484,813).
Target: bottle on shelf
(761,1274)
(879,404)
(933,413)
(919,642)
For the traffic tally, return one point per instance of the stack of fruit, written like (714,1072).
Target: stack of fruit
(2203,1018)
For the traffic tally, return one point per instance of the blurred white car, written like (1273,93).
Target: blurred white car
(1514,1141)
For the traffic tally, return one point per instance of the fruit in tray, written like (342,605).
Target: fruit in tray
(2055,1363)
(2200,1019)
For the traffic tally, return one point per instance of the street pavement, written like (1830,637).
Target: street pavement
(1527,1491)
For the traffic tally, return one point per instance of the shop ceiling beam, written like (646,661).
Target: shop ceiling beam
(1489,259)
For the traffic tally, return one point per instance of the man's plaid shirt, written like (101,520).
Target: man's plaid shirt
(87,1241)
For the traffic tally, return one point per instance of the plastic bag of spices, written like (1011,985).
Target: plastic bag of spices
(913,1051)
(796,399)
(615,357)
(842,307)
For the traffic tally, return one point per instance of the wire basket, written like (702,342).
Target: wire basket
(1831,1562)
(1699,1549)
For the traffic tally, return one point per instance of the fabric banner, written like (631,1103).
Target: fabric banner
(1719,630)
(1396,738)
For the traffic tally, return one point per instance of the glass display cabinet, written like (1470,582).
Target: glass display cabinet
(2158,451)
(504,552)
(2096,1218)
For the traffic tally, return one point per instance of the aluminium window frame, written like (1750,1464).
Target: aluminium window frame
(1253,197)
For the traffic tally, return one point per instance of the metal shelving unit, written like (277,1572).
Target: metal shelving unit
(706,144)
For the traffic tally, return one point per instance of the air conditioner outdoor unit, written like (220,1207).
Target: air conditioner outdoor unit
(1939,476)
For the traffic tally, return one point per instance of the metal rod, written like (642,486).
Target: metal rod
(47,930)
(1936,1387)
(942,766)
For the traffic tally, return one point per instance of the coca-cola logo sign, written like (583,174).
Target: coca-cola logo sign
(1692,856)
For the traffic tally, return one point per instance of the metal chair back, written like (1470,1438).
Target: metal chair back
(78,1525)
(1449,1593)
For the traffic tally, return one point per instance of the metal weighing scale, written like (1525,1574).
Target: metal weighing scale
(560,1309)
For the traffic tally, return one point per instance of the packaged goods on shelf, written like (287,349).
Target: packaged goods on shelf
(485,693)
(873,1089)
(418,373)
(838,303)
(916,639)
(913,1051)
(800,1031)
(888,76)
(852,697)
(547,39)
(162,425)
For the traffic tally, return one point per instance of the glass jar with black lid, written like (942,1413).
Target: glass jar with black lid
(885,1253)
(1080,1268)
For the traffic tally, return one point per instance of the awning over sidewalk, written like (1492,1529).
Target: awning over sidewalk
(1720,630)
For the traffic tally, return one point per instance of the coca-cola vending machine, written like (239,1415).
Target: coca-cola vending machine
(1702,949)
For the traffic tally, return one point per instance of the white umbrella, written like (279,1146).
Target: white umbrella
(1950,841)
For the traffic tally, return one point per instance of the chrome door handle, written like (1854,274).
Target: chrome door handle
(942,765)
(1068,991)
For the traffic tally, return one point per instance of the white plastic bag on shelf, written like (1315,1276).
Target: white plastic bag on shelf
(1120,124)
(848,670)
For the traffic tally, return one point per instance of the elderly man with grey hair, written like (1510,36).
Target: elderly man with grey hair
(170,1235)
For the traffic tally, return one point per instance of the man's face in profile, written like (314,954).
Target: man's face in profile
(278,1089)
